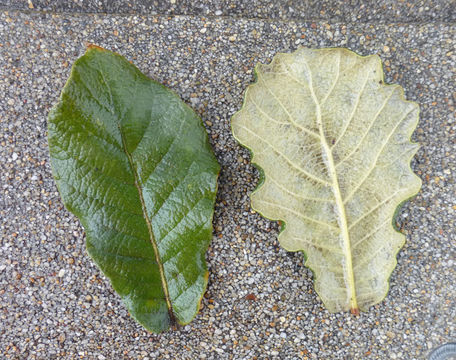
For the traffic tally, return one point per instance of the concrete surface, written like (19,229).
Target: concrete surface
(386,11)
(54,303)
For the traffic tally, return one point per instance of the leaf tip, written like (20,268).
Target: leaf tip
(354,311)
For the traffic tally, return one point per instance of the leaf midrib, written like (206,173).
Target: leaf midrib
(337,193)
(150,230)
(161,270)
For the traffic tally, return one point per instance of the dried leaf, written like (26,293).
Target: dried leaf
(334,144)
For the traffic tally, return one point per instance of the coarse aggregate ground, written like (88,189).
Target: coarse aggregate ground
(55,303)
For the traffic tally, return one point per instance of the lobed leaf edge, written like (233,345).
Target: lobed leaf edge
(262,175)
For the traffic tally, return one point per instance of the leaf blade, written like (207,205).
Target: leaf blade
(114,152)
(333,94)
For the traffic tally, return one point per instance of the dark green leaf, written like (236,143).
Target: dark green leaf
(133,162)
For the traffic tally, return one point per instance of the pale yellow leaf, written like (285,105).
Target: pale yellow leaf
(334,144)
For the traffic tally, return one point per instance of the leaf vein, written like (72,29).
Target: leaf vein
(368,258)
(310,132)
(89,197)
(198,230)
(374,163)
(84,162)
(177,135)
(352,114)
(299,127)
(270,178)
(355,245)
(368,128)
(373,209)
(299,214)
(334,83)
(298,168)
(181,180)
(329,248)
(182,218)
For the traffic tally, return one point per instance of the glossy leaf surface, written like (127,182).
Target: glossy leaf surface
(334,144)
(134,164)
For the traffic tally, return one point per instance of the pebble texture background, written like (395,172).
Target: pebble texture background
(260,303)
(385,11)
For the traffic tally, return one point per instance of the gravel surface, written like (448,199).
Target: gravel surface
(55,303)
(386,11)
